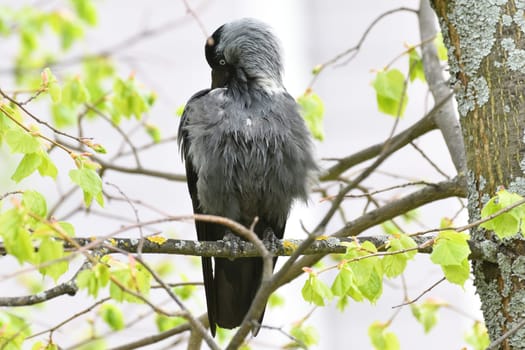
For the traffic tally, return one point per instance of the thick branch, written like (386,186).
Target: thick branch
(420,128)
(445,118)
(69,288)
(389,211)
(153,339)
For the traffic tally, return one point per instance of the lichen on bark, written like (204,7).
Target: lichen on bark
(485,41)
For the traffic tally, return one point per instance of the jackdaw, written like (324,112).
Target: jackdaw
(247,154)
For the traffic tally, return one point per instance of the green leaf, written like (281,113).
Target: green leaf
(112,315)
(426,313)
(276,300)
(451,252)
(457,274)
(154,132)
(86,11)
(185,292)
(127,100)
(68,228)
(312,110)
(135,278)
(51,83)
(478,337)
(394,265)
(415,66)
(35,203)
(342,282)
(49,250)
(373,288)
(20,245)
(20,141)
(381,339)
(63,115)
(441,48)
(74,92)
(389,227)
(180,110)
(306,335)
(27,166)
(90,182)
(451,248)
(316,291)
(165,323)
(95,344)
(14,331)
(47,167)
(506,224)
(86,279)
(390,94)
(28,38)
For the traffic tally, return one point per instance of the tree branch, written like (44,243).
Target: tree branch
(445,118)
(161,336)
(402,139)
(389,211)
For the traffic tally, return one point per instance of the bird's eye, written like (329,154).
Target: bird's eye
(222,61)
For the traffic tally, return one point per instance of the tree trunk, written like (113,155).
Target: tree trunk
(485,41)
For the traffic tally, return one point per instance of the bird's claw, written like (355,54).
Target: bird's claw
(270,240)
(233,243)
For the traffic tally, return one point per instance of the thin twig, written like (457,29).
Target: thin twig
(421,294)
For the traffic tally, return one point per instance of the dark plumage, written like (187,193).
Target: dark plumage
(247,154)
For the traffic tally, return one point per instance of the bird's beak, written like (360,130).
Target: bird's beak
(219,78)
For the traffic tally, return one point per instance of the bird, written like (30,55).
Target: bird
(248,154)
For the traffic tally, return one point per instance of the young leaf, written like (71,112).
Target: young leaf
(90,182)
(47,167)
(415,66)
(381,339)
(457,274)
(28,165)
(51,83)
(165,323)
(312,110)
(451,251)
(86,279)
(50,250)
(86,11)
(154,132)
(112,315)
(441,49)
(14,331)
(506,224)
(180,110)
(35,203)
(306,335)
(390,92)
(135,278)
(426,313)
(451,248)
(394,265)
(74,92)
(315,291)
(478,337)
(20,141)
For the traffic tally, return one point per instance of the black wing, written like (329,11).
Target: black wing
(205,231)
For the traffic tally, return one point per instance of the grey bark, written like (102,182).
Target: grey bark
(486,59)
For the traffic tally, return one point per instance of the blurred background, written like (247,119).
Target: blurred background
(171,63)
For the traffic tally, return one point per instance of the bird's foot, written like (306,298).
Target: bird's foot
(271,241)
(233,243)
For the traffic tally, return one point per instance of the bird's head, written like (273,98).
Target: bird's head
(246,52)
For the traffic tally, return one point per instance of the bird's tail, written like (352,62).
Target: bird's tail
(236,283)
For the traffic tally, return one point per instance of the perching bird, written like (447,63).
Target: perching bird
(247,153)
